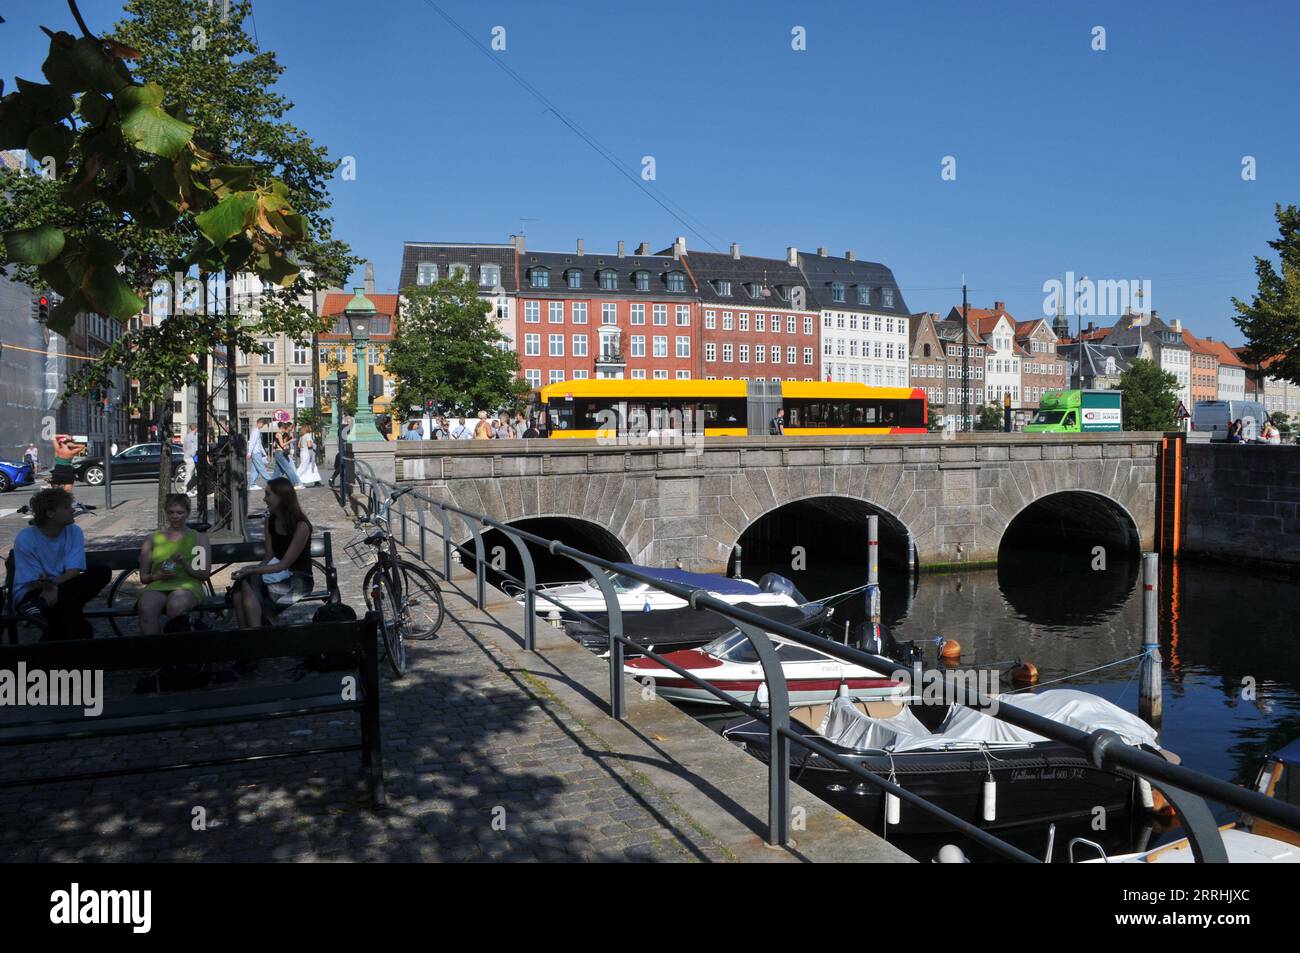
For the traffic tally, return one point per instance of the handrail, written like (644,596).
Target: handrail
(1183,787)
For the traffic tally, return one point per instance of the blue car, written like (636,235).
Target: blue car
(15,474)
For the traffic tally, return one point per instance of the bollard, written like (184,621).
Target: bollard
(736,572)
(420,515)
(1150,706)
(873,569)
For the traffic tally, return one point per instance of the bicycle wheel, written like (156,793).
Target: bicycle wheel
(422,606)
(381,598)
(124,591)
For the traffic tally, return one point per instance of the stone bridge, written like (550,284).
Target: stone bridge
(950,498)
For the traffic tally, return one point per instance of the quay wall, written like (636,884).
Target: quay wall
(1240,502)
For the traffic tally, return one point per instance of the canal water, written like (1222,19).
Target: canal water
(1230,640)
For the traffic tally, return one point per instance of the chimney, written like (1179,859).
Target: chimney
(620,248)
(518,242)
(735,250)
(999,306)
(792,257)
(370,278)
(822,251)
(1155,315)
(579,247)
(850,256)
(643,249)
(1178,325)
(679,246)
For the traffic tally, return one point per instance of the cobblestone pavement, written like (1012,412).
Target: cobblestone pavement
(481,763)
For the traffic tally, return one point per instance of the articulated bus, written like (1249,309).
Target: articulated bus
(590,408)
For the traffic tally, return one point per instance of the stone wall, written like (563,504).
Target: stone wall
(1240,501)
(952,498)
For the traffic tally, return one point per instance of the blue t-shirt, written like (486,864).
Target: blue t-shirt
(37,556)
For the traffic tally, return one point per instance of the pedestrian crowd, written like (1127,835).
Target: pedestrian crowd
(480,427)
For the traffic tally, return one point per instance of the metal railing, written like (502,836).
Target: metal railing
(1184,788)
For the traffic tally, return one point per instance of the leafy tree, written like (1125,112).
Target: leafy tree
(989,417)
(446,349)
(1282,421)
(933,417)
(1271,322)
(1150,397)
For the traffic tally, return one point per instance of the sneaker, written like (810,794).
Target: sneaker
(254,487)
(32,611)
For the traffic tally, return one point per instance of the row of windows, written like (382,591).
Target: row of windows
(869,323)
(578,346)
(954,350)
(888,351)
(760,322)
(346,355)
(607,279)
(839,294)
(879,376)
(1051,370)
(534,376)
(760,353)
(426,273)
(608,313)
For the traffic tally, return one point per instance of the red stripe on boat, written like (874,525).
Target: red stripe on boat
(686,658)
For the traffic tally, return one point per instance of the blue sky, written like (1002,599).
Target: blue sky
(1117,164)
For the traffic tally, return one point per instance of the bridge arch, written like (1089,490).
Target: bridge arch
(825,526)
(1076,518)
(589,536)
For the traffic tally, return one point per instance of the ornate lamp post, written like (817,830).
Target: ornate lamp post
(360,312)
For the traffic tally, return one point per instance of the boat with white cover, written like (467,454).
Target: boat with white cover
(637,596)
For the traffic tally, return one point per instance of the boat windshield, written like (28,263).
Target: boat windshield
(624,583)
(734,647)
(1048,417)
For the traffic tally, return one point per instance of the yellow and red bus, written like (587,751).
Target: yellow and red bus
(602,407)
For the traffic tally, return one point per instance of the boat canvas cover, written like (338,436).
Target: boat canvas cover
(697,580)
(669,626)
(969,728)
(1289,753)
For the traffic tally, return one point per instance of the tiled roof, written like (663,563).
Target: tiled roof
(774,274)
(443,254)
(336,302)
(821,271)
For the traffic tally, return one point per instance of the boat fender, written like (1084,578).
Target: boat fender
(950,854)
(1148,800)
(1024,673)
(893,808)
(761,696)
(949,649)
(842,691)
(990,799)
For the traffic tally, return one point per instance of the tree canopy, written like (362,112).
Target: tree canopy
(1271,322)
(1150,397)
(447,349)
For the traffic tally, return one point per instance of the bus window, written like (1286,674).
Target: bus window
(889,414)
(870,414)
(792,416)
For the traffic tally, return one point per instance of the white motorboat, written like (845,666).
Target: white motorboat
(637,596)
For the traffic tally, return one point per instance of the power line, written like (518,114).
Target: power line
(669,206)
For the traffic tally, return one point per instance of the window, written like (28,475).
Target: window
(609,313)
(661,375)
(726,353)
(557,377)
(807,355)
(608,279)
(301,353)
(641,279)
(925,350)
(534,378)
(807,325)
(661,345)
(579,312)
(638,374)
(760,323)
(744,322)
(532,345)
(864,296)
(557,345)
(853,347)
(555,312)
(638,314)
(268,356)
(683,315)
(532,312)
(727,323)
(299,382)
(837,291)
(489,276)
(887,297)
(744,353)
(574,278)
(580,345)
(683,345)
(724,287)
(676,281)
(243,390)
(579,375)
(269,390)
(776,354)
(683,375)
(638,345)
(710,320)
(826,347)
(426,273)
(661,314)
(539,277)
(755,289)
(710,352)
(790,324)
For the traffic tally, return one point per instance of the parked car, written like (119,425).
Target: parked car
(14,475)
(139,462)
(1214,416)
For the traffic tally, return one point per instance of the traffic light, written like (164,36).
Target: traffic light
(428,405)
(43,309)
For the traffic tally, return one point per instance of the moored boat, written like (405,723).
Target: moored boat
(637,596)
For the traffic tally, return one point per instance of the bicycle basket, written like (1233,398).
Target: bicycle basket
(358,550)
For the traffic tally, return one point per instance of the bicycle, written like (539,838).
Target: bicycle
(406,596)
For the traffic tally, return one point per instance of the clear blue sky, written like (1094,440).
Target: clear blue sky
(1117,164)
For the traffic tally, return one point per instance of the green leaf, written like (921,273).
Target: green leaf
(53,141)
(225,179)
(60,66)
(34,246)
(98,71)
(278,270)
(147,94)
(42,102)
(226,219)
(56,276)
(94,108)
(150,129)
(64,314)
(108,295)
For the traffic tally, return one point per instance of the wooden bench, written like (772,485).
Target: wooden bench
(355,688)
(223,554)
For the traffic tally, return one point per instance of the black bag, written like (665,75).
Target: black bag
(332,661)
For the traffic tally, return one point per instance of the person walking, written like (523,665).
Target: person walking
(173,564)
(776,427)
(31,455)
(259,464)
(51,582)
(284,454)
(482,429)
(190,448)
(307,469)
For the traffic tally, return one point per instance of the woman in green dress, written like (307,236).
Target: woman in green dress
(174,562)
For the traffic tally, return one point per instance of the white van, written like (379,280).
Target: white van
(1214,416)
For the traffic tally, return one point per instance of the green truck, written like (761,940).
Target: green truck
(1077,411)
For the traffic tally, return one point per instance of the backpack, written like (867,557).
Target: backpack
(332,661)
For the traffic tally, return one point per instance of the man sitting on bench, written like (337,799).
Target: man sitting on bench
(51,582)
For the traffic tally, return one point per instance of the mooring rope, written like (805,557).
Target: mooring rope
(1089,671)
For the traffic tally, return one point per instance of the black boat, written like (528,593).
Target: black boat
(1034,780)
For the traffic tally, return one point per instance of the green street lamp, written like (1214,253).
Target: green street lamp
(360,313)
